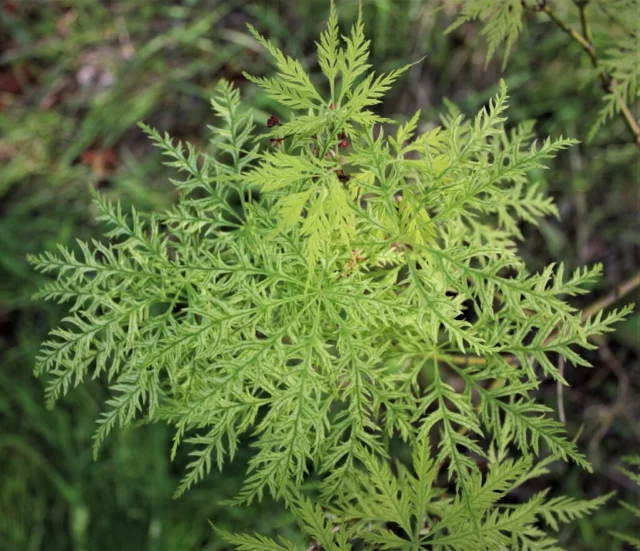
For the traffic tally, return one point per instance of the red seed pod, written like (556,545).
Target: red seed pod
(273,121)
(344,143)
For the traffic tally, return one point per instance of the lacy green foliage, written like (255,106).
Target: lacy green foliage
(631,462)
(323,299)
(614,38)
(621,62)
(423,517)
(502,23)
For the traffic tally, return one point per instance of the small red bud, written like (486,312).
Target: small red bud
(273,120)
(344,143)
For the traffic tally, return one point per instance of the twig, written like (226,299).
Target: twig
(467,360)
(584,20)
(616,294)
(575,35)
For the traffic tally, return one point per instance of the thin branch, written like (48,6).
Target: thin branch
(466,359)
(575,35)
(584,20)
(616,294)
(626,113)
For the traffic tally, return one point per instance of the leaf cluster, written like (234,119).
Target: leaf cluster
(322,295)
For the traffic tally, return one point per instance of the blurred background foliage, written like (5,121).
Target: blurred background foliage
(76,76)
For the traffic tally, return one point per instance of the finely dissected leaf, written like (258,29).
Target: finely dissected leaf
(503,23)
(328,53)
(621,63)
(292,86)
(244,542)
